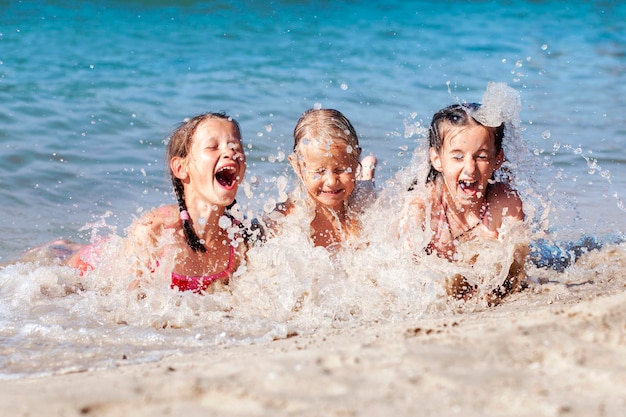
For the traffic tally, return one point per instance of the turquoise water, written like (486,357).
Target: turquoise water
(90,90)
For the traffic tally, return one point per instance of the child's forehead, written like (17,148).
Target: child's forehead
(478,135)
(328,145)
(215,129)
(316,152)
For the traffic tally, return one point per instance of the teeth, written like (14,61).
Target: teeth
(226,175)
(466,184)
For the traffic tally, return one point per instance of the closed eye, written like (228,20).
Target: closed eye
(235,146)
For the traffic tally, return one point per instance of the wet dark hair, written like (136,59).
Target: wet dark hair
(179,145)
(456,115)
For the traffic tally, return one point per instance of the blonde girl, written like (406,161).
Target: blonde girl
(326,160)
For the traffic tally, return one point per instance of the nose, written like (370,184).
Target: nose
(330,178)
(470,167)
(232,153)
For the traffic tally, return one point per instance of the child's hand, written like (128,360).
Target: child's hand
(368,168)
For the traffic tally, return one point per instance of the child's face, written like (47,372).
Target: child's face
(467,160)
(216,163)
(328,171)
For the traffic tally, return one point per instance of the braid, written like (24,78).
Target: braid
(179,145)
(192,238)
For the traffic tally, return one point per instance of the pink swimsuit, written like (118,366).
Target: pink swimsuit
(198,284)
(89,255)
(445,224)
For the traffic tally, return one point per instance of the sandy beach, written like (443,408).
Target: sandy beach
(555,349)
(92,91)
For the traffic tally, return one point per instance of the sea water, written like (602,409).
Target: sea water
(90,91)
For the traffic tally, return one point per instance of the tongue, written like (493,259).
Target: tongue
(469,187)
(224,179)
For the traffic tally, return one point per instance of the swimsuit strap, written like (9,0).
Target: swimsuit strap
(201,283)
(443,220)
(443,216)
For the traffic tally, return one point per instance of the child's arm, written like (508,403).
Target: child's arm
(412,216)
(143,237)
(507,204)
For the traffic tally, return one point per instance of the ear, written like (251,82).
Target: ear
(178,166)
(435,159)
(500,159)
(293,160)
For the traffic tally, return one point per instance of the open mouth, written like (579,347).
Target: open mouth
(332,192)
(469,187)
(226,176)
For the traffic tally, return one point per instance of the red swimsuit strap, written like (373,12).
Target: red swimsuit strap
(200,283)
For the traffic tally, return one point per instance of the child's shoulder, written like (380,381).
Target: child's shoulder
(502,198)
(418,201)
(421,197)
(285,208)
(163,217)
(502,191)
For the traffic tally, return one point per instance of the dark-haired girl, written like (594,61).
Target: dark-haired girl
(206,164)
(465,200)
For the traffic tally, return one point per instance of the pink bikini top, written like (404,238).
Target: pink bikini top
(443,222)
(198,284)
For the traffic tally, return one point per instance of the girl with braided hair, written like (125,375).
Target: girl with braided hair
(206,165)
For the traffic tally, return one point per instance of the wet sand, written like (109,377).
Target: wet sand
(555,349)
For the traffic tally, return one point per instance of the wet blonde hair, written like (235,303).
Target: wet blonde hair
(326,124)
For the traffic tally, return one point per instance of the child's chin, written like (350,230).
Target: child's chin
(332,204)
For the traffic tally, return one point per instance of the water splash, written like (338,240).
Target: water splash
(285,287)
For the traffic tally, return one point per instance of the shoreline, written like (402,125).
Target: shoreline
(553,349)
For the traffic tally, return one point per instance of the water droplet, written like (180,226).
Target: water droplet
(269,205)
(225,222)
(546,134)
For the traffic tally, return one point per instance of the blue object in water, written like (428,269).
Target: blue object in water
(559,256)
